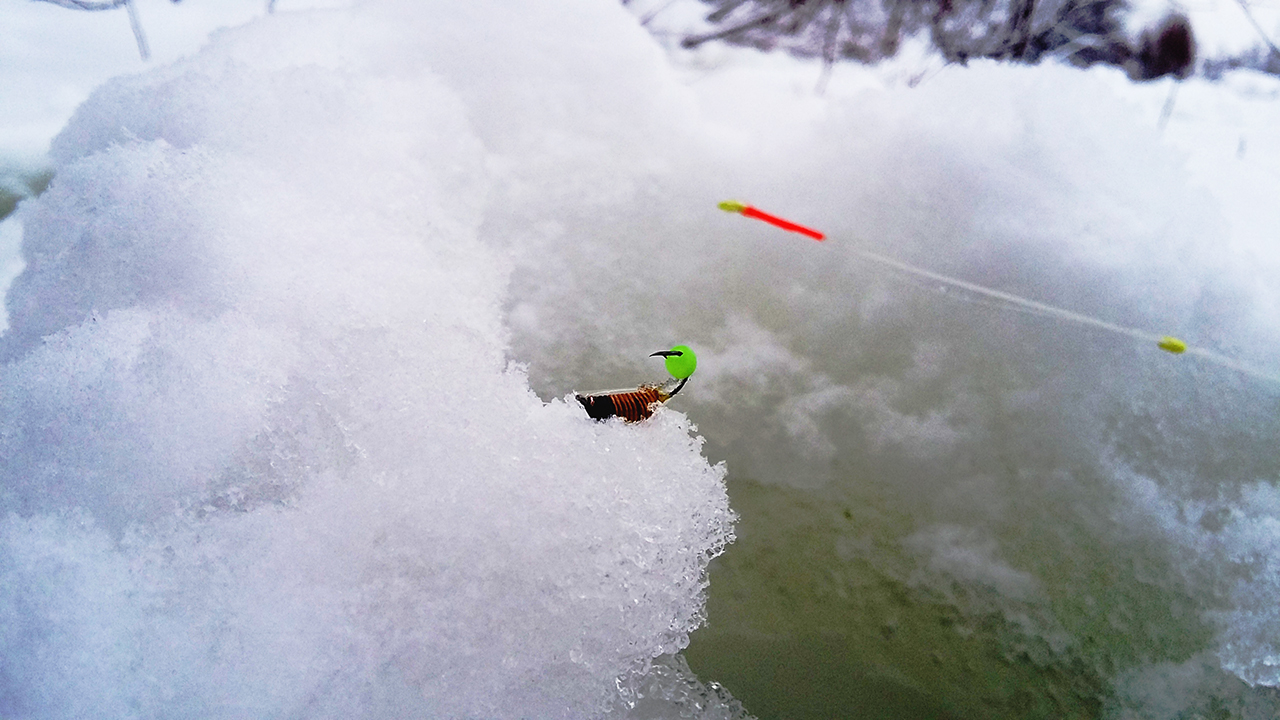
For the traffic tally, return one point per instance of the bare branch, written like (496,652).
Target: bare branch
(87,4)
(136,24)
(95,5)
(1081,32)
(1249,14)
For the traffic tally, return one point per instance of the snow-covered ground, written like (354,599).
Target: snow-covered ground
(283,416)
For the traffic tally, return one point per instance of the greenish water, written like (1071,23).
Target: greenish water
(17,184)
(798,628)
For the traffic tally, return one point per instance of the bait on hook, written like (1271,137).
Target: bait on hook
(638,404)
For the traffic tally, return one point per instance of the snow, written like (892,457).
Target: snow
(284,413)
(263,452)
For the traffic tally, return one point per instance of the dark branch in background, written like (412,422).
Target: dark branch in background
(94,5)
(1080,32)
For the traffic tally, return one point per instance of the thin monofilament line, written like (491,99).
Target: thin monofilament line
(1164,342)
(1040,308)
(1232,363)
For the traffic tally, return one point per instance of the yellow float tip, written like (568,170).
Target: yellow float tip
(733,206)
(1172,344)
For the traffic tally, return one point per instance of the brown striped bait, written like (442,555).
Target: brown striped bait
(638,404)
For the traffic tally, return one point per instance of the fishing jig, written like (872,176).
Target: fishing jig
(639,404)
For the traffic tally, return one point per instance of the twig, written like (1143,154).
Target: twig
(828,53)
(96,5)
(1249,14)
(648,18)
(136,24)
(88,4)
(1167,111)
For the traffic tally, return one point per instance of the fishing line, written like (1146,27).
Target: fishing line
(1039,308)
(1045,310)
(1164,342)
(934,286)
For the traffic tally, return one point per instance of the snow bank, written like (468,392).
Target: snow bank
(261,448)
